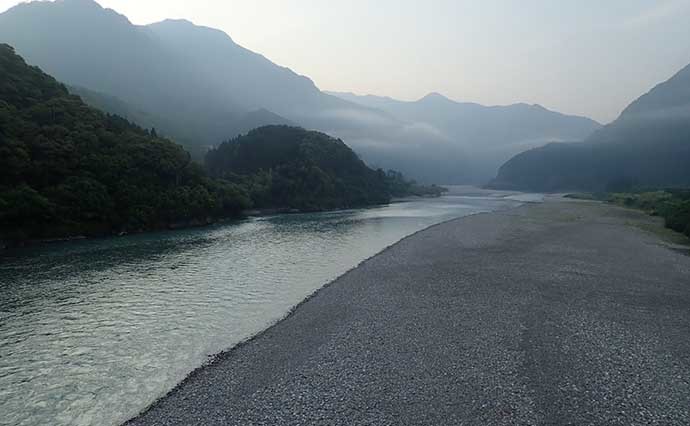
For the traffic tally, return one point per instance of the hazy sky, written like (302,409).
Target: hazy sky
(588,57)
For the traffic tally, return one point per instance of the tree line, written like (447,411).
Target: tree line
(67,169)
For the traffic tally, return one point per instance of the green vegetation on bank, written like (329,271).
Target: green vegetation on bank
(67,169)
(293,168)
(399,186)
(673,205)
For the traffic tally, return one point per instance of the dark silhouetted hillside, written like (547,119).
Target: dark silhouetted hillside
(68,169)
(289,167)
(648,145)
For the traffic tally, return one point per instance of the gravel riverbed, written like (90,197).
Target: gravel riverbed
(558,313)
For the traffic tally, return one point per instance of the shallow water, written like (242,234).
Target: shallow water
(92,332)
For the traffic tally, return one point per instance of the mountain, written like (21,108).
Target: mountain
(205,91)
(68,169)
(290,167)
(489,135)
(668,100)
(259,118)
(648,145)
(249,79)
(116,106)
(241,124)
(203,88)
(195,77)
(87,46)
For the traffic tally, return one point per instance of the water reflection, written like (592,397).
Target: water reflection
(91,332)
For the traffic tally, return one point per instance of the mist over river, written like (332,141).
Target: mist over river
(92,332)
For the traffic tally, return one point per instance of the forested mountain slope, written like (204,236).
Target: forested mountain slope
(205,85)
(647,146)
(291,167)
(87,46)
(68,169)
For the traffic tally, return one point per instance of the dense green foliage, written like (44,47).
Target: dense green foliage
(289,167)
(671,204)
(648,145)
(292,168)
(115,106)
(399,186)
(67,169)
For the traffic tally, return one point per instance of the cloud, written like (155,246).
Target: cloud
(425,131)
(358,117)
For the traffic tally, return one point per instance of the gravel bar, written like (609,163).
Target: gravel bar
(561,313)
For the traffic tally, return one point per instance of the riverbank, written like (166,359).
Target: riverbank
(158,305)
(7,244)
(672,205)
(562,312)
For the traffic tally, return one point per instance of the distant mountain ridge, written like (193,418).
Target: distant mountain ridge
(648,145)
(671,95)
(194,76)
(440,110)
(490,134)
(204,85)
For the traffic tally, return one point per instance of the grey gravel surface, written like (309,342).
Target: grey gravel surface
(563,313)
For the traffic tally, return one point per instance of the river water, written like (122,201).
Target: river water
(92,332)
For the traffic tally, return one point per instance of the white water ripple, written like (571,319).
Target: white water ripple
(92,332)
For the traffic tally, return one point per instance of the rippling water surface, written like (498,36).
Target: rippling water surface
(92,332)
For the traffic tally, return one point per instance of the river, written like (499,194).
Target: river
(92,332)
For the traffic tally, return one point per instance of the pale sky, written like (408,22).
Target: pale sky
(586,57)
